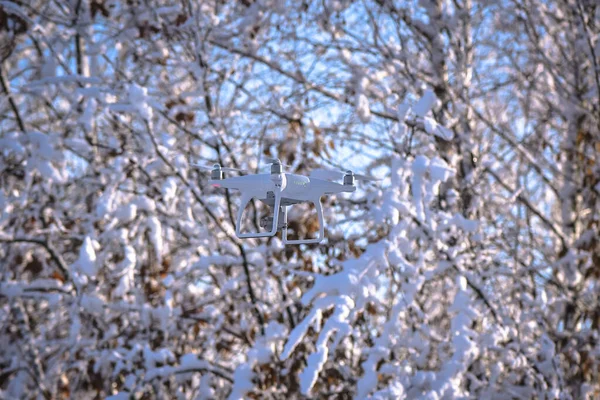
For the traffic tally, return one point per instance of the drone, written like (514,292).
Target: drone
(279,190)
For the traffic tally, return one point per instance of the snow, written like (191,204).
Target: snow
(430,125)
(402,111)
(44,284)
(433,128)
(380,349)
(344,293)
(315,363)
(189,360)
(10,144)
(439,170)
(169,190)
(394,391)
(87,118)
(86,263)
(92,303)
(206,392)
(242,382)
(42,144)
(42,288)
(464,224)
(465,349)
(152,357)
(43,156)
(126,213)
(106,203)
(47,170)
(11,289)
(144,203)
(425,104)
(127,271)
(298,333)
(169,280)
(420,164)
(419,168)
(155,235)
(138,99)
(362,108)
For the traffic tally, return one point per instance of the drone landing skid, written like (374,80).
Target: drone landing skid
(318,239)
(245,200)
(279,219)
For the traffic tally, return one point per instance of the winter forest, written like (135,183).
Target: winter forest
(471,270)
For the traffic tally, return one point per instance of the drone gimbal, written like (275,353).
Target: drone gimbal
(280,190)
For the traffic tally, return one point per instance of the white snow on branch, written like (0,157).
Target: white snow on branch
(362,101)
(337,322)
(299,332)
(402,111)
(242,382)
(362,108)
(344,291)
(388,336)
(86,263)
(447,380)
(466,225)
(425,104)
(138,98)
(419,167)
(155,235)
(127,269)
(433,128)
(43,156)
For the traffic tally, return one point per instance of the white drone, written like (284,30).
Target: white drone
(280,190)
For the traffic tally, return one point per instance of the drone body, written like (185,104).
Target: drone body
(280,190)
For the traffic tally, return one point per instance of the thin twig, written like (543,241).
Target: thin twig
(523,200)
(11,101)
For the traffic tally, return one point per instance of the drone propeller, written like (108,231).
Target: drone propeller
(217,166)
(275,161)
(336,174)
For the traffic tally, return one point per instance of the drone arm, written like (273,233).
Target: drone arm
(236,182)
(244,202)
(317,202)
(326,187)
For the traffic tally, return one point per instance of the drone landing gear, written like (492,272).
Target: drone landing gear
(275,223)
(318,239)
(279,219)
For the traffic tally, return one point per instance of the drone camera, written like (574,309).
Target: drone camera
(266,222)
